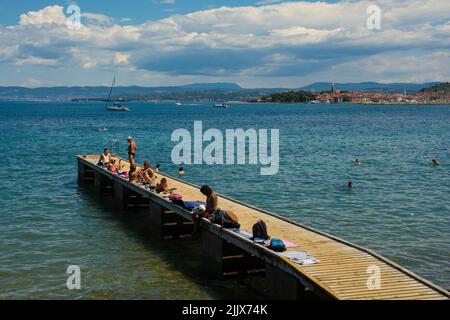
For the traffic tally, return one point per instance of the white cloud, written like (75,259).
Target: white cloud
(258,44)
(48,15)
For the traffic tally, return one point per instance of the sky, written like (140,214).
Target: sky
(255,43)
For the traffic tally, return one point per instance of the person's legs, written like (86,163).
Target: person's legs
(131,159)
(196,222)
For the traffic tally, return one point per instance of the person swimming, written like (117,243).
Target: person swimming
(350,185)
(435,162)
(357,162)
(105,158)
(181,172)
(158,167)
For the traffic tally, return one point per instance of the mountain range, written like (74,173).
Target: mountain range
(195,91)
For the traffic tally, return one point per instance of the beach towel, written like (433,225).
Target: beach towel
(191,205)
(287,243)
(188,205)
(300,257)
(175,196)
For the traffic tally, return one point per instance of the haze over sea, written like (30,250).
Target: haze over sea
(400,206)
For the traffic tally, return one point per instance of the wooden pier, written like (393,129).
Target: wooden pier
(344,271)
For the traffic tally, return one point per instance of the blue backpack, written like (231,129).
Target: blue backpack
(277,245)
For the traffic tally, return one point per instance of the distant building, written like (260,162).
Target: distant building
(333,87)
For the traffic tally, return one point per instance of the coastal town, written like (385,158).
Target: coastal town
(357,97)
(439,94)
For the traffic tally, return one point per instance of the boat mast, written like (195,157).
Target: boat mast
(110,91)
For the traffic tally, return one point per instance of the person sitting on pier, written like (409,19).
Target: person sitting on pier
(162,186)
(115,166)
(105,158)
(147,174)
(131,151)
(211,206)
(134,174)
(158,167)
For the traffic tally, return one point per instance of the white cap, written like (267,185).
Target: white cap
(130,138)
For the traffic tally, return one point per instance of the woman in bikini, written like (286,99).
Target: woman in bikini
(147,174)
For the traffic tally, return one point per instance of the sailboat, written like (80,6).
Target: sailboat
(221,105)
(115,106)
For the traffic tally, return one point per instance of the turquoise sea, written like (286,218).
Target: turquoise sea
(400,206)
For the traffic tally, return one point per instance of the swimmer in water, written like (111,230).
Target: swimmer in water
(181,172)
(158,167)
(357,162)
(350,185)
(435,162)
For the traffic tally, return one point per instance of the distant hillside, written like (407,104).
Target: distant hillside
(221,91)
(374,87)
(79,92)
(442,88)
(290,97)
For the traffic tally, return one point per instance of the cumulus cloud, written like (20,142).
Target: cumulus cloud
(289,39)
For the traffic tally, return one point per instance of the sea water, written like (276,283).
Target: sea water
(399,206)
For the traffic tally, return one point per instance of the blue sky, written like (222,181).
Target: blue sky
(254,43)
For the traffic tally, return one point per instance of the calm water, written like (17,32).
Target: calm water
(400,206)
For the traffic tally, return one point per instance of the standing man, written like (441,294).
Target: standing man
(131,151)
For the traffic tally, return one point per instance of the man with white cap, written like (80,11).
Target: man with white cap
(131,151)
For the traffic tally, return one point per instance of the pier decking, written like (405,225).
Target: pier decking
(342,273)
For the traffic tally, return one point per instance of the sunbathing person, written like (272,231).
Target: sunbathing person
(162,186)
(134,174)
(147,174)
(105,158)
(211,206)
(115,166)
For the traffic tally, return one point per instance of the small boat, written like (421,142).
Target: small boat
(178,104)
(115,106)
(221,105)
(103,129)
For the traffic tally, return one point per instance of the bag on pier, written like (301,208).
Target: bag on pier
(225,219)
(175,196)
(277,245)
(260,231)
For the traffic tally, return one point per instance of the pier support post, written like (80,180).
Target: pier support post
(121,194)
(80,171)
(102,182)
(166,224)
(283,286)
(222,259)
